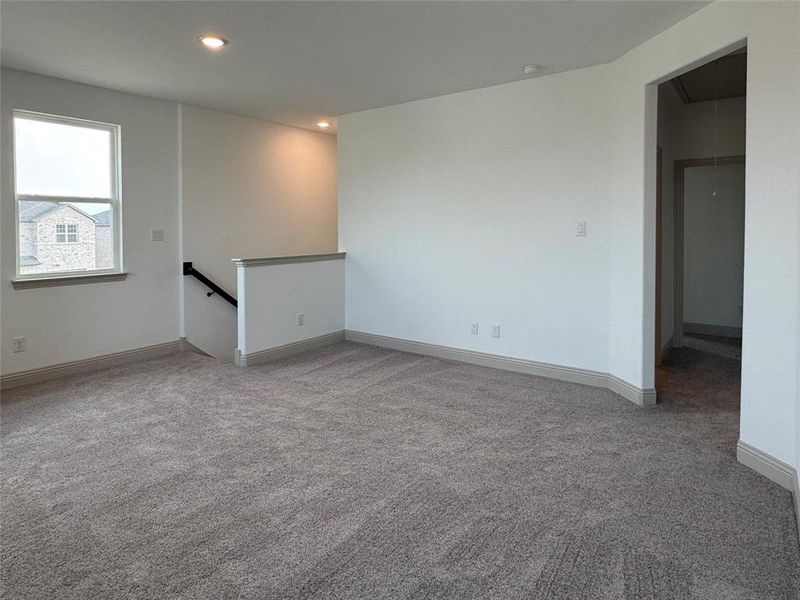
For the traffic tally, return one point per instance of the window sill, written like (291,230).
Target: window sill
(40,282)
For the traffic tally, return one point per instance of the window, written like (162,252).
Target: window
(66,233)
(66,178)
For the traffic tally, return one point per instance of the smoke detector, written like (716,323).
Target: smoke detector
(531,70)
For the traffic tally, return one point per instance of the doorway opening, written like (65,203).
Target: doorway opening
(700,211)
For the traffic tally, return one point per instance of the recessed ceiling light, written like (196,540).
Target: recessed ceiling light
(531,70)
(214,42)
(323,124)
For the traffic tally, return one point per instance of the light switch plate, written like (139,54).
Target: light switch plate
(157,234)
(580,229)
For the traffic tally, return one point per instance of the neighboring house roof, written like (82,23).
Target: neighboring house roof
(103,219)
(31,211)
(28,261)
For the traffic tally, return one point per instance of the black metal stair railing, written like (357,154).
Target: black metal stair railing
(215,289)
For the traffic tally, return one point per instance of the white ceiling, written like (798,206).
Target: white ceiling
(294,62)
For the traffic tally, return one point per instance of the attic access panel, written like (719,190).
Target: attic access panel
(727,74)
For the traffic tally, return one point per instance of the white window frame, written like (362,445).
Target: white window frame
(114,201)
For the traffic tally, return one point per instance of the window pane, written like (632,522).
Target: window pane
(59,237)
(53,159)
(61,233)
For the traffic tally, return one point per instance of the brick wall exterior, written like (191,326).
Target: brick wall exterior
(27,239)
(104,249)
(55,256)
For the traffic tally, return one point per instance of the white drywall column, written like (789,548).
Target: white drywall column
(288,300)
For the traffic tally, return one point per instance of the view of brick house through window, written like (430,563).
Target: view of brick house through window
(62,237)
(66,183)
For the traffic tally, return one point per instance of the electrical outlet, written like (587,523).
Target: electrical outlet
(301,319)
(474,329)
(157,234)
(495,330)
(19,344)
(580,229)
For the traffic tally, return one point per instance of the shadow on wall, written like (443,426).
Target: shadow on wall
(211,321)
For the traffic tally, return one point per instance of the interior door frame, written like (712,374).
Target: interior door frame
(677,284)
(659,250)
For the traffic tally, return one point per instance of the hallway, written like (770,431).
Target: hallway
(704,375)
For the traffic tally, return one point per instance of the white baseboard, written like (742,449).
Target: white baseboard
(642,397)
(767,465)
(75,367)
(265,356)
(717,330)
(774,470)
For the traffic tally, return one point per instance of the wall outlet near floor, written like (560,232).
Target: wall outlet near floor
(19,344)
(495,330)
(474,329)
(157,234)
(301,319)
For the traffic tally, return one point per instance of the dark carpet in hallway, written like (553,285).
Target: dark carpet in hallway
(356,472)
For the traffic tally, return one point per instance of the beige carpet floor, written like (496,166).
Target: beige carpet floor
(356,472)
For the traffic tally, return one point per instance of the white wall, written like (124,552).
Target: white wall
(770,323)
(687,131)
(250,189)
(462,208)
(271,296)
(713,259)
(70,323)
